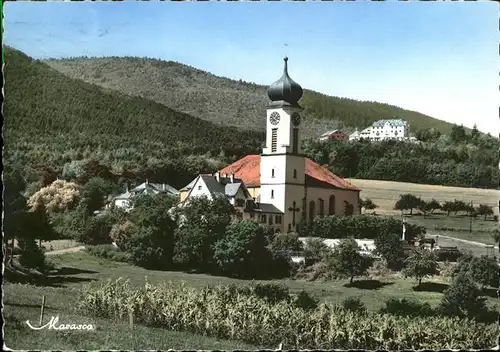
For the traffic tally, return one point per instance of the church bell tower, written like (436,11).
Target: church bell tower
(282,165)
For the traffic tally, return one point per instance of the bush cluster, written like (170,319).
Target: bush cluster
(363,226)
(110,252)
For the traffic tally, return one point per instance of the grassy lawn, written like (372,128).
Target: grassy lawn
(386,193)
(22,302)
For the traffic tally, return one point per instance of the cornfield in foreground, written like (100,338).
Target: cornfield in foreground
(226,313)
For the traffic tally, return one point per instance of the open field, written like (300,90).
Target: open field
(386,193)
(22,302)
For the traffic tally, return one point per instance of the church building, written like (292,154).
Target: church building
(281,187)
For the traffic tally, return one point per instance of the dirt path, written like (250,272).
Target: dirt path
(66,250)
(474,243)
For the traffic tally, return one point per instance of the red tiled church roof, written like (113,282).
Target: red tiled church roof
(248,169)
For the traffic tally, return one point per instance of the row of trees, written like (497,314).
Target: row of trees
(447,160)
(410,202)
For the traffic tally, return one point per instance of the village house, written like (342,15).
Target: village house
(395,129)
(335,135)
(281,187)
(126,200)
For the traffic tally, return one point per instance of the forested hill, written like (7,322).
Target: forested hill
(225,101)
(51,119)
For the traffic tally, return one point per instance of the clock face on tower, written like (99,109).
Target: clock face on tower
(274,118)
(295,119)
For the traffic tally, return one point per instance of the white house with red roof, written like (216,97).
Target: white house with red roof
(281,187)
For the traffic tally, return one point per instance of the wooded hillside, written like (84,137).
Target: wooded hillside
(52,120)
(225,101)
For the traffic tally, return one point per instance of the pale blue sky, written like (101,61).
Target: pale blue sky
(438,58)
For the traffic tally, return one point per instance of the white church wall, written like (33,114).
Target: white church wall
(340,196)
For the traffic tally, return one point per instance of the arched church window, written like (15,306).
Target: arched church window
(272,193)
(272,173)
(312,210)
(331,205)
(321,207)
(294,173)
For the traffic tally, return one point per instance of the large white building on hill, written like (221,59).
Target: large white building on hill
(281,187)
(384,130)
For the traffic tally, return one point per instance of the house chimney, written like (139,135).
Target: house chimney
(164,187)
(231,178)
(126,187)
(217,176)
(147,181)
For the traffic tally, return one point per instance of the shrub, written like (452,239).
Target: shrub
(110,252)
(362,226)
(379,269)
(305,300)
(273,293)
(406,307)
(462,298)
(353,304)
(243,251)
(315,251)
(120,233)
(286,242)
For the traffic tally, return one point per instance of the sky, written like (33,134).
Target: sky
(437,58)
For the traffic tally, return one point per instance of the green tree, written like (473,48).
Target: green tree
(458,134)
(243,252)
(407,201)
(462,298)
(203,223)
(448,207)
(485,271)
(390,247)
(368,204)
(95,192)
(484,210)
(152,236)
(433,205)
(15,209)
(347,260)
(421,263)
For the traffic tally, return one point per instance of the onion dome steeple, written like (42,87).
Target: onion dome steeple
(285,90)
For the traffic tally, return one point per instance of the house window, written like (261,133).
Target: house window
(270,219)
(331,205)
(295,140)
(274,140)
(321,207)
(199,188)
(272,173)
(312,210)
(278,219)
(263,218)
(294,173)
(272,193)
(240,202)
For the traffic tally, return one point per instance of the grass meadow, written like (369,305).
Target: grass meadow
(22,302)
(386,193)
